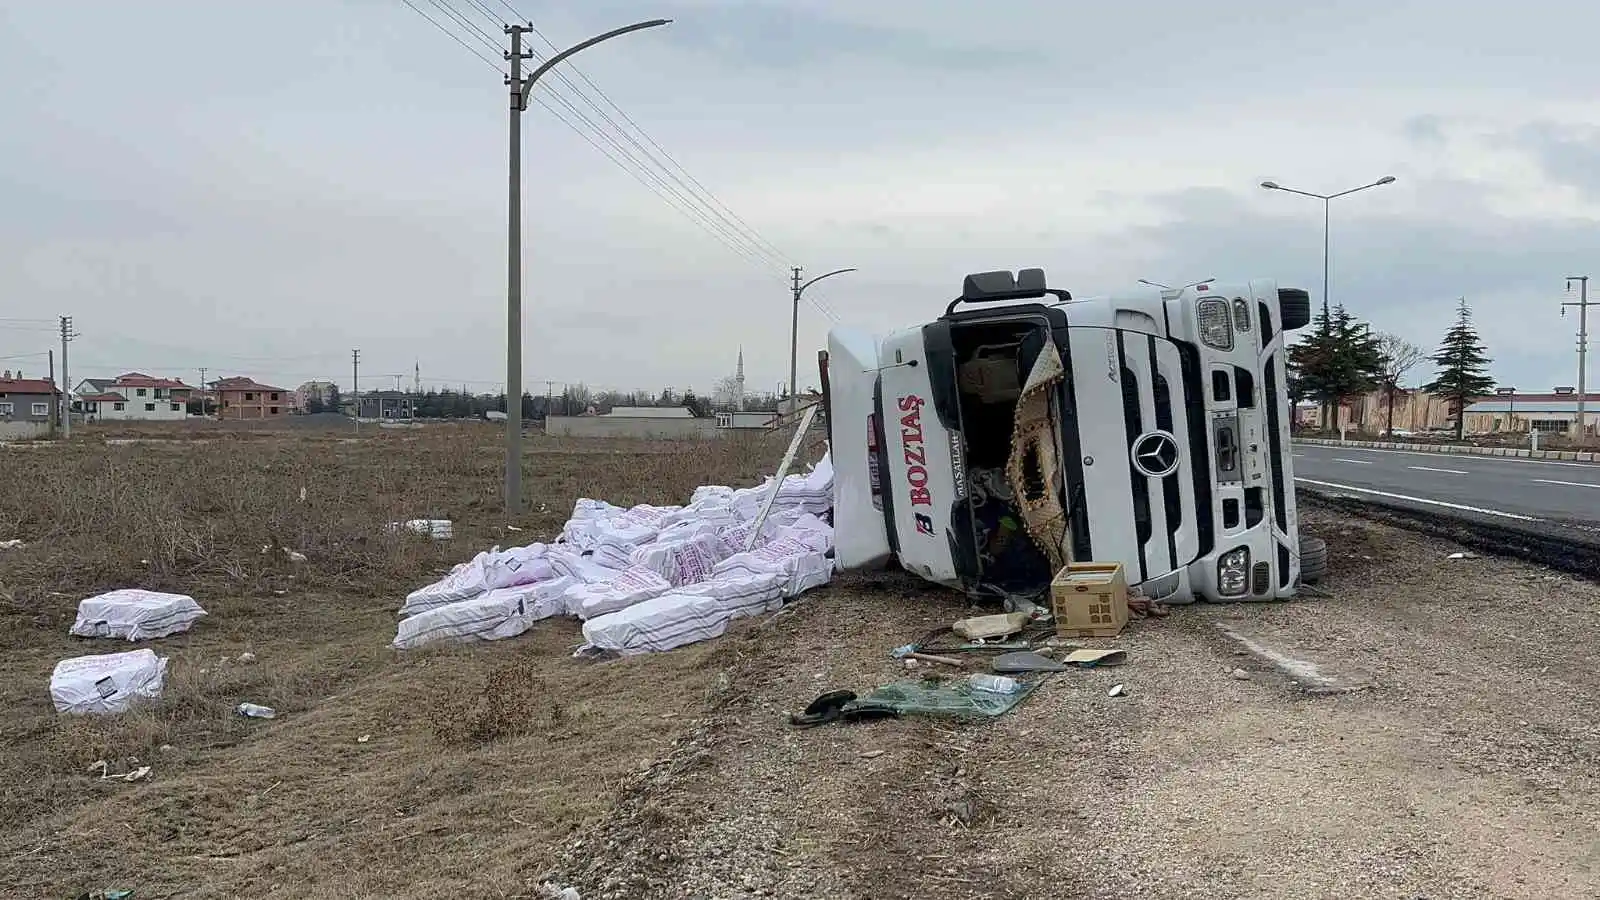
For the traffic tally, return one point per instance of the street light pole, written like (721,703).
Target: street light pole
(521,91)
(1327,215)
(1583,305)
(1327,203)
(794,328)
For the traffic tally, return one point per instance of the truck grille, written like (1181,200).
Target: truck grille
(1143,385)
(1280,500)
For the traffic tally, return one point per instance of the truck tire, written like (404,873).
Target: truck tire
(1294,305)
(1313,559)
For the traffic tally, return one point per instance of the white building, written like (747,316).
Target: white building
(132,396)
(649,412)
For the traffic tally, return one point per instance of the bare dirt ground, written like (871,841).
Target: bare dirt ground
(1464,768)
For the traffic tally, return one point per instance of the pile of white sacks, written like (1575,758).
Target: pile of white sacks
(644,579)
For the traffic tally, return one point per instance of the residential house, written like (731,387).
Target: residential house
(385,405)
(245,398)
(132,396)
(25,399)
(747,421)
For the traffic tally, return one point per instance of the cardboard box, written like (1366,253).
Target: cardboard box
(1090,599)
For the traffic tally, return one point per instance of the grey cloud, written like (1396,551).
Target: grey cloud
(1424,129)
(1401,273)
(1569,155)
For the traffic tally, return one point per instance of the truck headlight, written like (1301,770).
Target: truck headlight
(1216,325)
(1233,572)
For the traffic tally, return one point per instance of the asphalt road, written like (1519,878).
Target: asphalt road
(1562,495)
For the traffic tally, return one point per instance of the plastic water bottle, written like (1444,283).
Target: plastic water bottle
(267,712)
(994,684)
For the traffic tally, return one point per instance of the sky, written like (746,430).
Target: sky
(199,184)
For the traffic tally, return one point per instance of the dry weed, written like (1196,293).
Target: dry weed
(515,701)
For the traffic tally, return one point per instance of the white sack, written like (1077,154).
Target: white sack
(712,494)
(488,570)
(683,559)
(136,615)
(498,614)
(568,563)
(696,613)
(517,566)
(801,566)
(810,531)
(633,585)
(107,683)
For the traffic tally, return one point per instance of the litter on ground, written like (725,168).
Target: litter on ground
(438,529)
(135,615)
(107,683)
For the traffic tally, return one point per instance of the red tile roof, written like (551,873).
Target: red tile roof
(26,386)
(103,398)
(139,379)
(244,383)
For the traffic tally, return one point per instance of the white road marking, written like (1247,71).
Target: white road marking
(1355,462)
(1453,457)
(1410,499)
(1567,483)
(1432,469)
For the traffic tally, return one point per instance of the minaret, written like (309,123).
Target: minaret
(738,383)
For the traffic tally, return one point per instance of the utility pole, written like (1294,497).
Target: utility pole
(67,334)
(794,336)
(355,385)
(1583,303)
(521,92)
(55,408)
(794,333)
(549,397)
(202,390)
(519,102)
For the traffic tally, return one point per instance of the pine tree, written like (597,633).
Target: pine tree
(1339,359)
(1463,363)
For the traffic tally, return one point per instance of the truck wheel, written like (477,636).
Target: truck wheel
(1313,559)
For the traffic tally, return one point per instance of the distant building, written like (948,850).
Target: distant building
(319,391)
(245,398)
(748,421)
(1547,413)
(25,399)
(650,412)
(385,405)
(133,396)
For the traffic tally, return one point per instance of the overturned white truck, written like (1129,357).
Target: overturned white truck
(985,448)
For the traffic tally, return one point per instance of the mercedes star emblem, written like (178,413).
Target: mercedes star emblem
(1156,454)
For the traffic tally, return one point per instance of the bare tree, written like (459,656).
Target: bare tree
(1399,357)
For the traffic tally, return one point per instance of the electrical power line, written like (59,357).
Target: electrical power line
(487,13)
(455,37)
(475,30)
(744,227)
(685,198)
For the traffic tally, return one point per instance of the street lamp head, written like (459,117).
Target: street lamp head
(1387,179)
(1271,185)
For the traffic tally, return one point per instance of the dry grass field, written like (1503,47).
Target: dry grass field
(1464,767)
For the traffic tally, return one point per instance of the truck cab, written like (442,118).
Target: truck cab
(1159,438)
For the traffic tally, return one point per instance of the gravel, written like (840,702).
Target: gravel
(1464,769)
